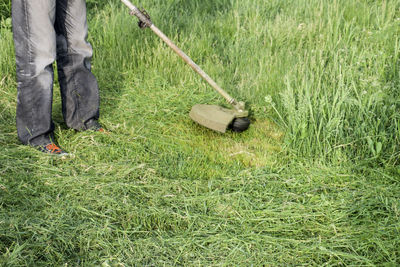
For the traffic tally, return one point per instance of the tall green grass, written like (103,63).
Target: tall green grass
(314,181)
(327,72)
(341,94)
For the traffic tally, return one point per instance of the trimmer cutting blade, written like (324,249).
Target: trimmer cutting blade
(211,116)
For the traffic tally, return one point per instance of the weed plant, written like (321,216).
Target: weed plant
(314,181)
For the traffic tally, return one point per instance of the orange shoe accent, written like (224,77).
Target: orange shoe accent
(53,148)
(104,131)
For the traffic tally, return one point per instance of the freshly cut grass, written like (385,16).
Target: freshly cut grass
(314,181)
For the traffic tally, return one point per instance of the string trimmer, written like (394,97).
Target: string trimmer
(211,116)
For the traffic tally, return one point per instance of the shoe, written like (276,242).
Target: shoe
(52,149)
(95,126)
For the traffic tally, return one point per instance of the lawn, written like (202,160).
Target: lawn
(314,181)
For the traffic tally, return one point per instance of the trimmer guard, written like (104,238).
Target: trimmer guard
(212,116)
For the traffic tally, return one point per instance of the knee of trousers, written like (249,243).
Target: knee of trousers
(35,50)
(36,62)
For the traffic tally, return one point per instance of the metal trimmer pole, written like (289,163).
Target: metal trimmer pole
(148,23)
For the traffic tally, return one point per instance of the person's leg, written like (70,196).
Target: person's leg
(79,89)
(35,50)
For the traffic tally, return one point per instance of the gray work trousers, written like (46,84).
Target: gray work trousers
(46,31)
